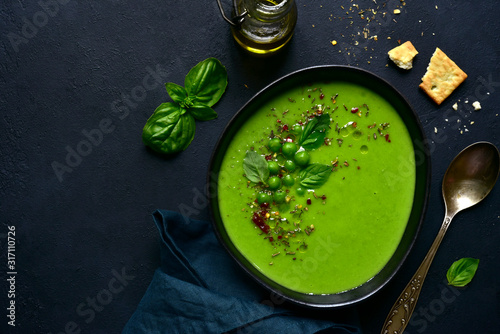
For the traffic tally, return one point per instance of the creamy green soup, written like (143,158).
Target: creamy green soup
(341,234)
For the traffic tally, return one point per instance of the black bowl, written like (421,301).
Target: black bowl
(422,186)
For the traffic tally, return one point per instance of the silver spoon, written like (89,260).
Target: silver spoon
(469,178)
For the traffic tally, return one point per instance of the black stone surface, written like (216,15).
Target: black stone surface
(86,246)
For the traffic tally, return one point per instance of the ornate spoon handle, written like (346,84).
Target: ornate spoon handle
(401,311)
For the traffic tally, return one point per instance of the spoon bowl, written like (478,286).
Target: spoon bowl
(467,181)
(470,177)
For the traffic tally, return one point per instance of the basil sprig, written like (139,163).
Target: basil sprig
(172,126)
(255,167)
(314,132)
(462,271)
(314,175)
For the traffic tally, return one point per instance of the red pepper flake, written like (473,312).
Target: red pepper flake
(354,110)
(354,124)
(387,138)
(285,127)
(279,237)
(264,205)
(280,175)
(309,201)
(259,221)
(359,167)
(278,121)
(323,197)
(289,139)
(271,239)
(269,157)
(321,96)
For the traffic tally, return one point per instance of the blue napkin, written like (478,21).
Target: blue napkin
(200,289)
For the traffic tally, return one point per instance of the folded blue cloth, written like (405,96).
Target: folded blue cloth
(200,289)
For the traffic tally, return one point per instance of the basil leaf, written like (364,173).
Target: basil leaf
(202,112)
(169,129)
(206,82)
(315,140)
(176,92)
(462,271)
(315,175)
(323,123)
(255,167)
(308,129)
(315,132)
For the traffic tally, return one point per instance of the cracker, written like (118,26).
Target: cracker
(403,55)
(443,76)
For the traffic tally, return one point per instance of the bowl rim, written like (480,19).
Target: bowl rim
(310,300)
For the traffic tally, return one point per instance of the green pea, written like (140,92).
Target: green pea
(274,182)
(297,128)
(301,191)
(279,196)
(301,158)
(273,167)
(289,150)
(275,144)
(263,197)
(290,165)
(288,180)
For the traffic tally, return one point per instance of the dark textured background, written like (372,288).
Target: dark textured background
(81,64)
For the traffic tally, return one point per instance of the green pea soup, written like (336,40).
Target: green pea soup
(344,232)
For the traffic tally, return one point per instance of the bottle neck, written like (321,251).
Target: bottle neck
(268,10)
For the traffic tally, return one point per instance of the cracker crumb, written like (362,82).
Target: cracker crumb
(403,55)
(435,130)
(477,105)
(455,106)
(397,11)
(334,42)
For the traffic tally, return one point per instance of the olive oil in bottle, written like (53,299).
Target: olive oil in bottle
(267,26)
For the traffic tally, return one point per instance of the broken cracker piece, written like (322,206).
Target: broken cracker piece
(403,55)
(443,76)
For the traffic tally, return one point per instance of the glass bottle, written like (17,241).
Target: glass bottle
(263,27)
